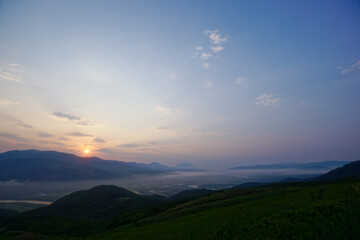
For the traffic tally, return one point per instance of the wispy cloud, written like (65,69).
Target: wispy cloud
(215,37)
(216,46)
(84,123)
(206,65)
(162,128)
(79,134)
(353,67)
(164,110)
(45,135)
(106,150)
(67,116)
(130,145)
(10,72)
(5,102)
(216,49)
(267,100)
(24,125)
(239,80)
(137,145)
(205,56)
(99,140)
(17,121)
(209,84)
(58,143)
(194,131)
(173,76)
(13,137)
(73,118)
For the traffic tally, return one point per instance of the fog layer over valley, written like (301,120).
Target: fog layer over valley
(162,184)
(30,176)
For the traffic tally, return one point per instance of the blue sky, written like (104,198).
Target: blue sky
(216,83)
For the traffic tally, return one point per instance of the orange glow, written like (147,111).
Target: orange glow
(86,151)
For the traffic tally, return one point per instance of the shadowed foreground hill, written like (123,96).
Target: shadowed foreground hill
(101,201)
(86,212)
(282,211)
(313,210)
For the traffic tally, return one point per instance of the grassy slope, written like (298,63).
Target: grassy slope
(286,211)
(18,235)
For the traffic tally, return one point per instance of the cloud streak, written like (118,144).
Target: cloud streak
(137,145)
(24,125)
(78,134)
(45,135)
(66,116)
(130,145)
(99,140)
(5,102)
(106,150)
(13,137)
(10,72)
(17,121)
(58,143)
(73,118)
(267,100)
(239,80)
(353,67)
(164,110)
(162,128)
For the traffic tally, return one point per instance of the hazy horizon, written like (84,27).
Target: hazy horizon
(216,84)
(202,165)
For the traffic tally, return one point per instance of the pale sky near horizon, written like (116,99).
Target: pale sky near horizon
(214,83)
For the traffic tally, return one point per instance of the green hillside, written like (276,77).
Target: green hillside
(313,210)
(281,211)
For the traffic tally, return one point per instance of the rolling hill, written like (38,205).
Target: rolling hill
(87,212)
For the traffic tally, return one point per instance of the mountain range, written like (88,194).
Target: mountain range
(326,165)
(37,165)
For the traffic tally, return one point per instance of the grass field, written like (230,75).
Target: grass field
(284,211)
(279,211)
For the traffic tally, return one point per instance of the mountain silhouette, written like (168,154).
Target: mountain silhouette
(37,165)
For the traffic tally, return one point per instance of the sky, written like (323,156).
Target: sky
(214,83)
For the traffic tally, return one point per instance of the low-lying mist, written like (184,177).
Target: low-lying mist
(162,184)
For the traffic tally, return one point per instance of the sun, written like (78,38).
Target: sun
(86,151)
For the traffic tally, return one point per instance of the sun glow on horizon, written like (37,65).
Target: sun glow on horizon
(87,151)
